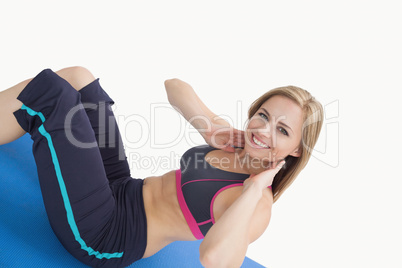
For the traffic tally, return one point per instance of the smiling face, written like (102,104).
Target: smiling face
(275,130)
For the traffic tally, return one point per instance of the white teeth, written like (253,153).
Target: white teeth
(259,143)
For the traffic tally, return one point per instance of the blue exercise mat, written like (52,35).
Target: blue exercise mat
(26,239)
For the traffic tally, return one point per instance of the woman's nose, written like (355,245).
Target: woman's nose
(268,135)
(265,131)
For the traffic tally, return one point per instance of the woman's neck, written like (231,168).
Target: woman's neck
(249,165)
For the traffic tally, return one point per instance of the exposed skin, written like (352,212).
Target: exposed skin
(268,130)
(246,209)
(252,158)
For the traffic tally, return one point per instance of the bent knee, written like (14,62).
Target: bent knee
(77,76)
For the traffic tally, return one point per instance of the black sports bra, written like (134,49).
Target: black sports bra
(198,184)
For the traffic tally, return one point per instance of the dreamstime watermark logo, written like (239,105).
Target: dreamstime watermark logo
(326,149)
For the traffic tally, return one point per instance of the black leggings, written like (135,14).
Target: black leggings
(94,206)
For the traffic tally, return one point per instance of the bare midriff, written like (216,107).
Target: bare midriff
(165,220)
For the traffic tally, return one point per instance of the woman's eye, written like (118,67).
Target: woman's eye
(284,131)
(263,116)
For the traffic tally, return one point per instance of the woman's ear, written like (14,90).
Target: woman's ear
(296,152)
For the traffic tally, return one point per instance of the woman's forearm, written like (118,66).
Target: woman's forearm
(225,244)
(184,99)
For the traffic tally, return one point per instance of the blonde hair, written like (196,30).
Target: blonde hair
(312,122)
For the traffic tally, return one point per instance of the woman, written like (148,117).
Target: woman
(106,218)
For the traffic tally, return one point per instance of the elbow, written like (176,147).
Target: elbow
(169,83)
(215,259)
(170,86)
(207,256)
(208,260)
(174,90)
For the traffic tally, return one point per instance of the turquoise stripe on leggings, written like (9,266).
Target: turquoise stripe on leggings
(63,189)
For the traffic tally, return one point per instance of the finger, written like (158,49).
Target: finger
(238,143)
(228,149)
(230,144)
(239,135)
(276,166)
(280,165)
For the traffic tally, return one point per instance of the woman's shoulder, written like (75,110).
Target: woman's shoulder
(199,149)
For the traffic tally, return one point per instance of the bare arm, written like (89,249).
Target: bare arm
(215,130)
(184,99)
(226,243)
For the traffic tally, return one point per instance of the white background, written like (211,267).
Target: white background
(344,210)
